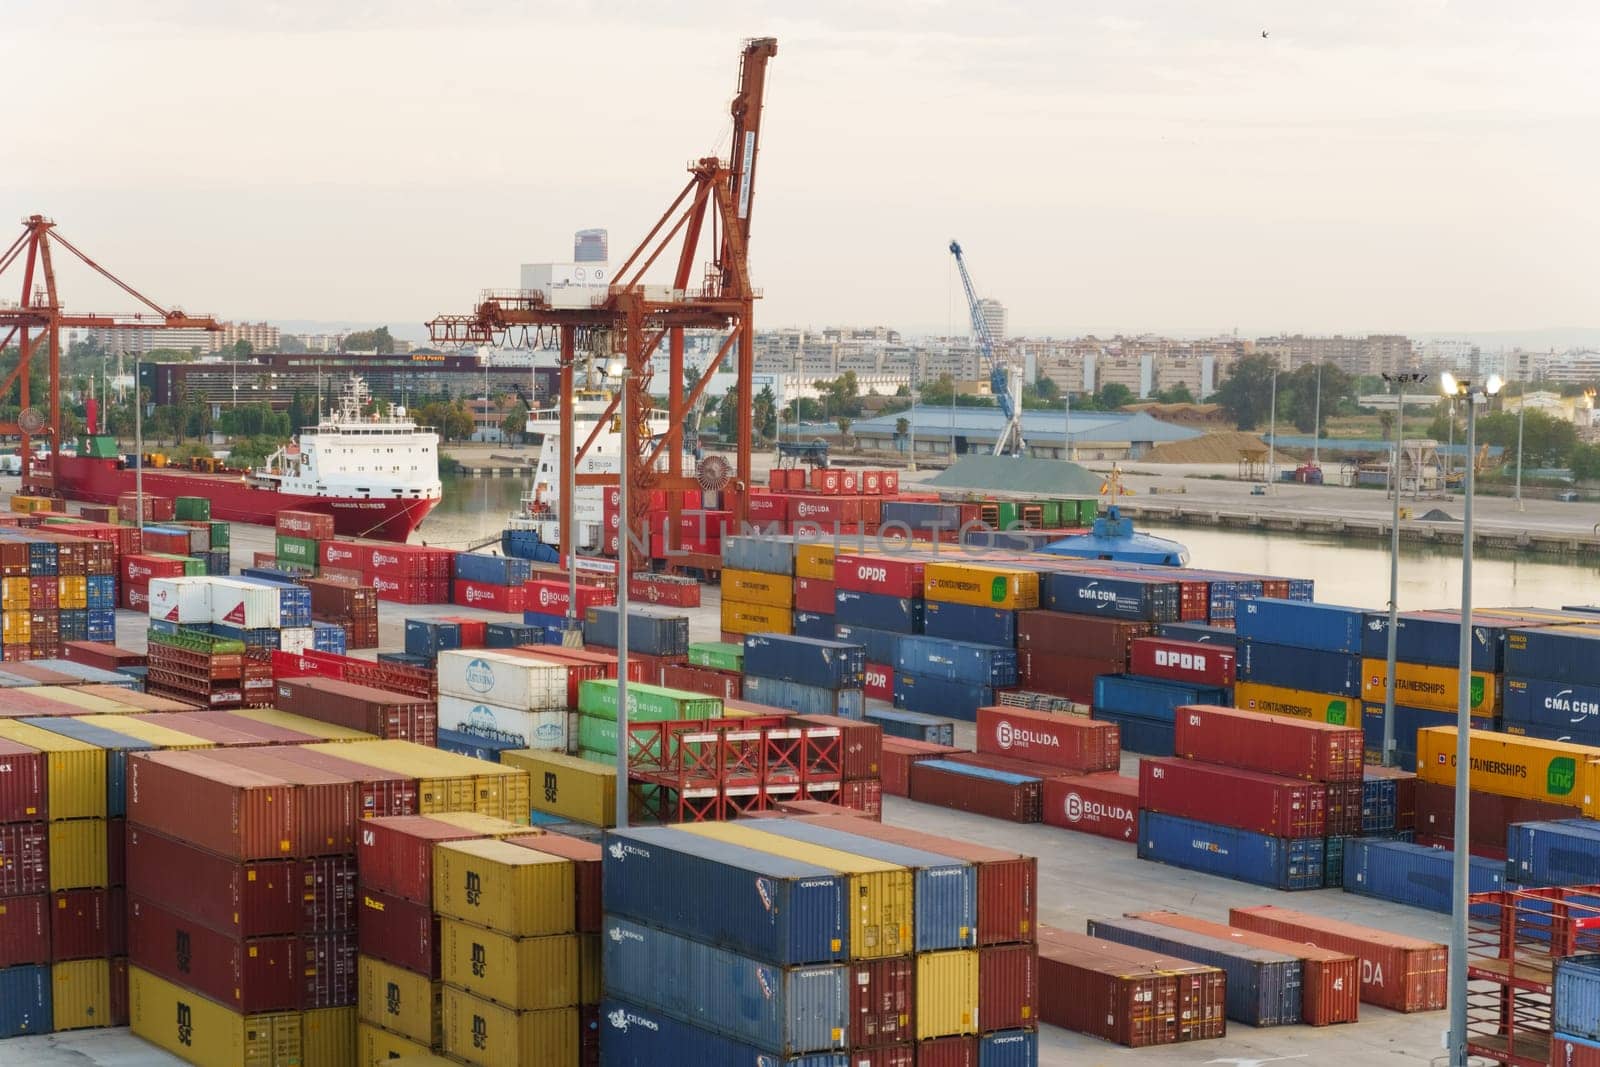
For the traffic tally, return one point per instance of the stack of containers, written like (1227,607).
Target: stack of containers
(404,574)
(657,638)
(1127,995)
(379,712)
(1063,653)
(1248,797)
(511,700)
(714,667)
(761,566)
(426,638)
(597,712)
(44,592)
(878,599)
(492,582)
(156,508)
(1552,683)
(241,917)
(1401,973)
(137,571)
(808,675)
(957,677)
(814,588)
(1300,659)
(297,536)
(352,608)
(1080,788)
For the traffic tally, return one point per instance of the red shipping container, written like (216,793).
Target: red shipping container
(871,483)
(880,683)
(398,931)
(1068,676)
(262,974)
(390,715)
(325,809)
(1295,748)
(1489,816)
(395,856)
(1564,1052)
(503,598)
(826,480)
(1008,986)
(22,783)
(1008,882)
(238,899)
(768,507)
(725,684)
(884,1056)
(587,858)
(1081,636)
(24,930)
(1342,803)
(882,1002)
(99,654)
(117,851)
(303,665)
(581,665)
(888,575)
(861,744)
(1182,661)
(1227,796)
(138,570)
(899,753)
(948,1052)
(235,812)
(813,594)
(1069,742)
(88,924)
(669,589)
(864,795)
(1012,801)
(345,554)
(1127,995)
(1103,804)
(1330,986)
(43,593)
(474,631)
(890,482)
(825,512)
(305,524)
(1398,972)
(379,793)
(849,482)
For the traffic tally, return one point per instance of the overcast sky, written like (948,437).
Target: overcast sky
(1406,165)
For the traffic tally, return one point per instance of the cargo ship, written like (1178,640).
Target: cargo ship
(376,474)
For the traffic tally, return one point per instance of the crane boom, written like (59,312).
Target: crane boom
(1009,440)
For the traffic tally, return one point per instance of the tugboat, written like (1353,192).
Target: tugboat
(1113,538)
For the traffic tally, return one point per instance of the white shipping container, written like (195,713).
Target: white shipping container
(546,730)
(186,601)
(504,681)
(249,607)
(296,639)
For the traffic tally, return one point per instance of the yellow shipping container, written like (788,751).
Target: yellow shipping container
(813,559)
(739,617)
(947,993)
(377,1047)
(483,825)
(589,957)
(400,1001)
(14,594)
(1559,772)
(328,1035)
(205,1033)
(72,592)
(489,1035)
(882,916)
(78,854)
(522,973)
(445,781)
(985,585)
(16,627)
(165,737)
(567,786)
(516,891)
(1418,685)
(328,731)
(1297,703)
(80,994)
(91,703)
(755,587)
(75,771)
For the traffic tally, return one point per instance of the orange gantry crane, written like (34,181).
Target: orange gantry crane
(633,319)
(35,323)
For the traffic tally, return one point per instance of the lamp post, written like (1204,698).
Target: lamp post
(1400,381)
(1474,394)
(617,370)
(1272,438)
(1522,405)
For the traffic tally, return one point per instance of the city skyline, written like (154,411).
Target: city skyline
(1109,170)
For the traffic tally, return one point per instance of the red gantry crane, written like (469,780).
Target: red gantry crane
(633,319)
(36,323)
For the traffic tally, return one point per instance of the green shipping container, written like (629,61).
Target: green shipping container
(1009,513)
(296,550)
(192,508)
(719,655)
(1088,511)
(1050,513)
(646,703)
(597,739)
(102,447)
(192,566)
(221,534)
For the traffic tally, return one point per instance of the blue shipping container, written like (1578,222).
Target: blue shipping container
(1437,642)
(1278,862)
(1136,599)
(1150,698)
(902,615)
(1572,708)
(328,637)
(484,748)
(804,699)
(651,632)
(957,661)
(754,903)
(767,554)
(1299,668)
(1325,627)
(492,570)
(117,747)
(1263,986)
(1198,631)
(1009,1048)
(636,1036)
(1147,737)
(1566,852)
(512,634)
(812,624)
(25,1005)
(1407,721)
(1380,805)
(921,515)
(1577,997)
(915,692)
(784,1010)
(913,725)
(427,638)
(945,889)
(1415,874)
(970,622)
(826,664)
(879,645)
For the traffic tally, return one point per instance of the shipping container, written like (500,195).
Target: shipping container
(25,1006)
(22,783)
(263,974)
(909,725)
(758,587)
(1104,804)
(238,813)
(74,771)
(80,995)
(1227,796)
(1572,710)
(1415,874)
(947,993)
(957,1051)
(880,921)
(1296,703)
(398,931)
(1202,633)
(965,662)
(1490,816)
(515,891)
(1317,752)
(1122,597)
(1182,661)
(326,808)
(814,561)
(883,574)
(717,655)
(1423,686)
(651,631)
(1576,997)
(646,703)
(1151,698)
(1127,995)
(767,554)
(567,786)
(1086,636)
(824,664)
(1278,862)
(86,923)
(380,712)
(969,622)
(976,789)
(25,929)
(781,1010)
(1398,972)
(1008,987)
(917,692)
(586,859)
(882,1003)
(982,584)
(878,611)
(521,973)
(878,645)
(1290,667)
(1434,637)
(79,858)
(203,1032)
(1553,771)
(1070,742)
(1264,987)
(401,1001)
(240,899)
(805,699)
(1569,1050)
(633,1035)
(502,726)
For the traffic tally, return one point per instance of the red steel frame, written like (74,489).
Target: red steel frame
(711,769)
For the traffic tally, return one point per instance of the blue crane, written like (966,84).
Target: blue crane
(1009,441)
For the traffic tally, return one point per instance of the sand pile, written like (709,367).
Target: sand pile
(1222,447)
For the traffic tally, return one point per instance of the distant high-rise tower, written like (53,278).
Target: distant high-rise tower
(590,246)
(994,316)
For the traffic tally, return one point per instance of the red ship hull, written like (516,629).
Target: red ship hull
(101,481)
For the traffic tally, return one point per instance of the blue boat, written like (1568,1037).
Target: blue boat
(1112,537)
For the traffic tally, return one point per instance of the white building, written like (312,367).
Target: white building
(994,316)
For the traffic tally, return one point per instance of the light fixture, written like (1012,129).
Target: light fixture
(615,367)
(1449,386)
(1493,385)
